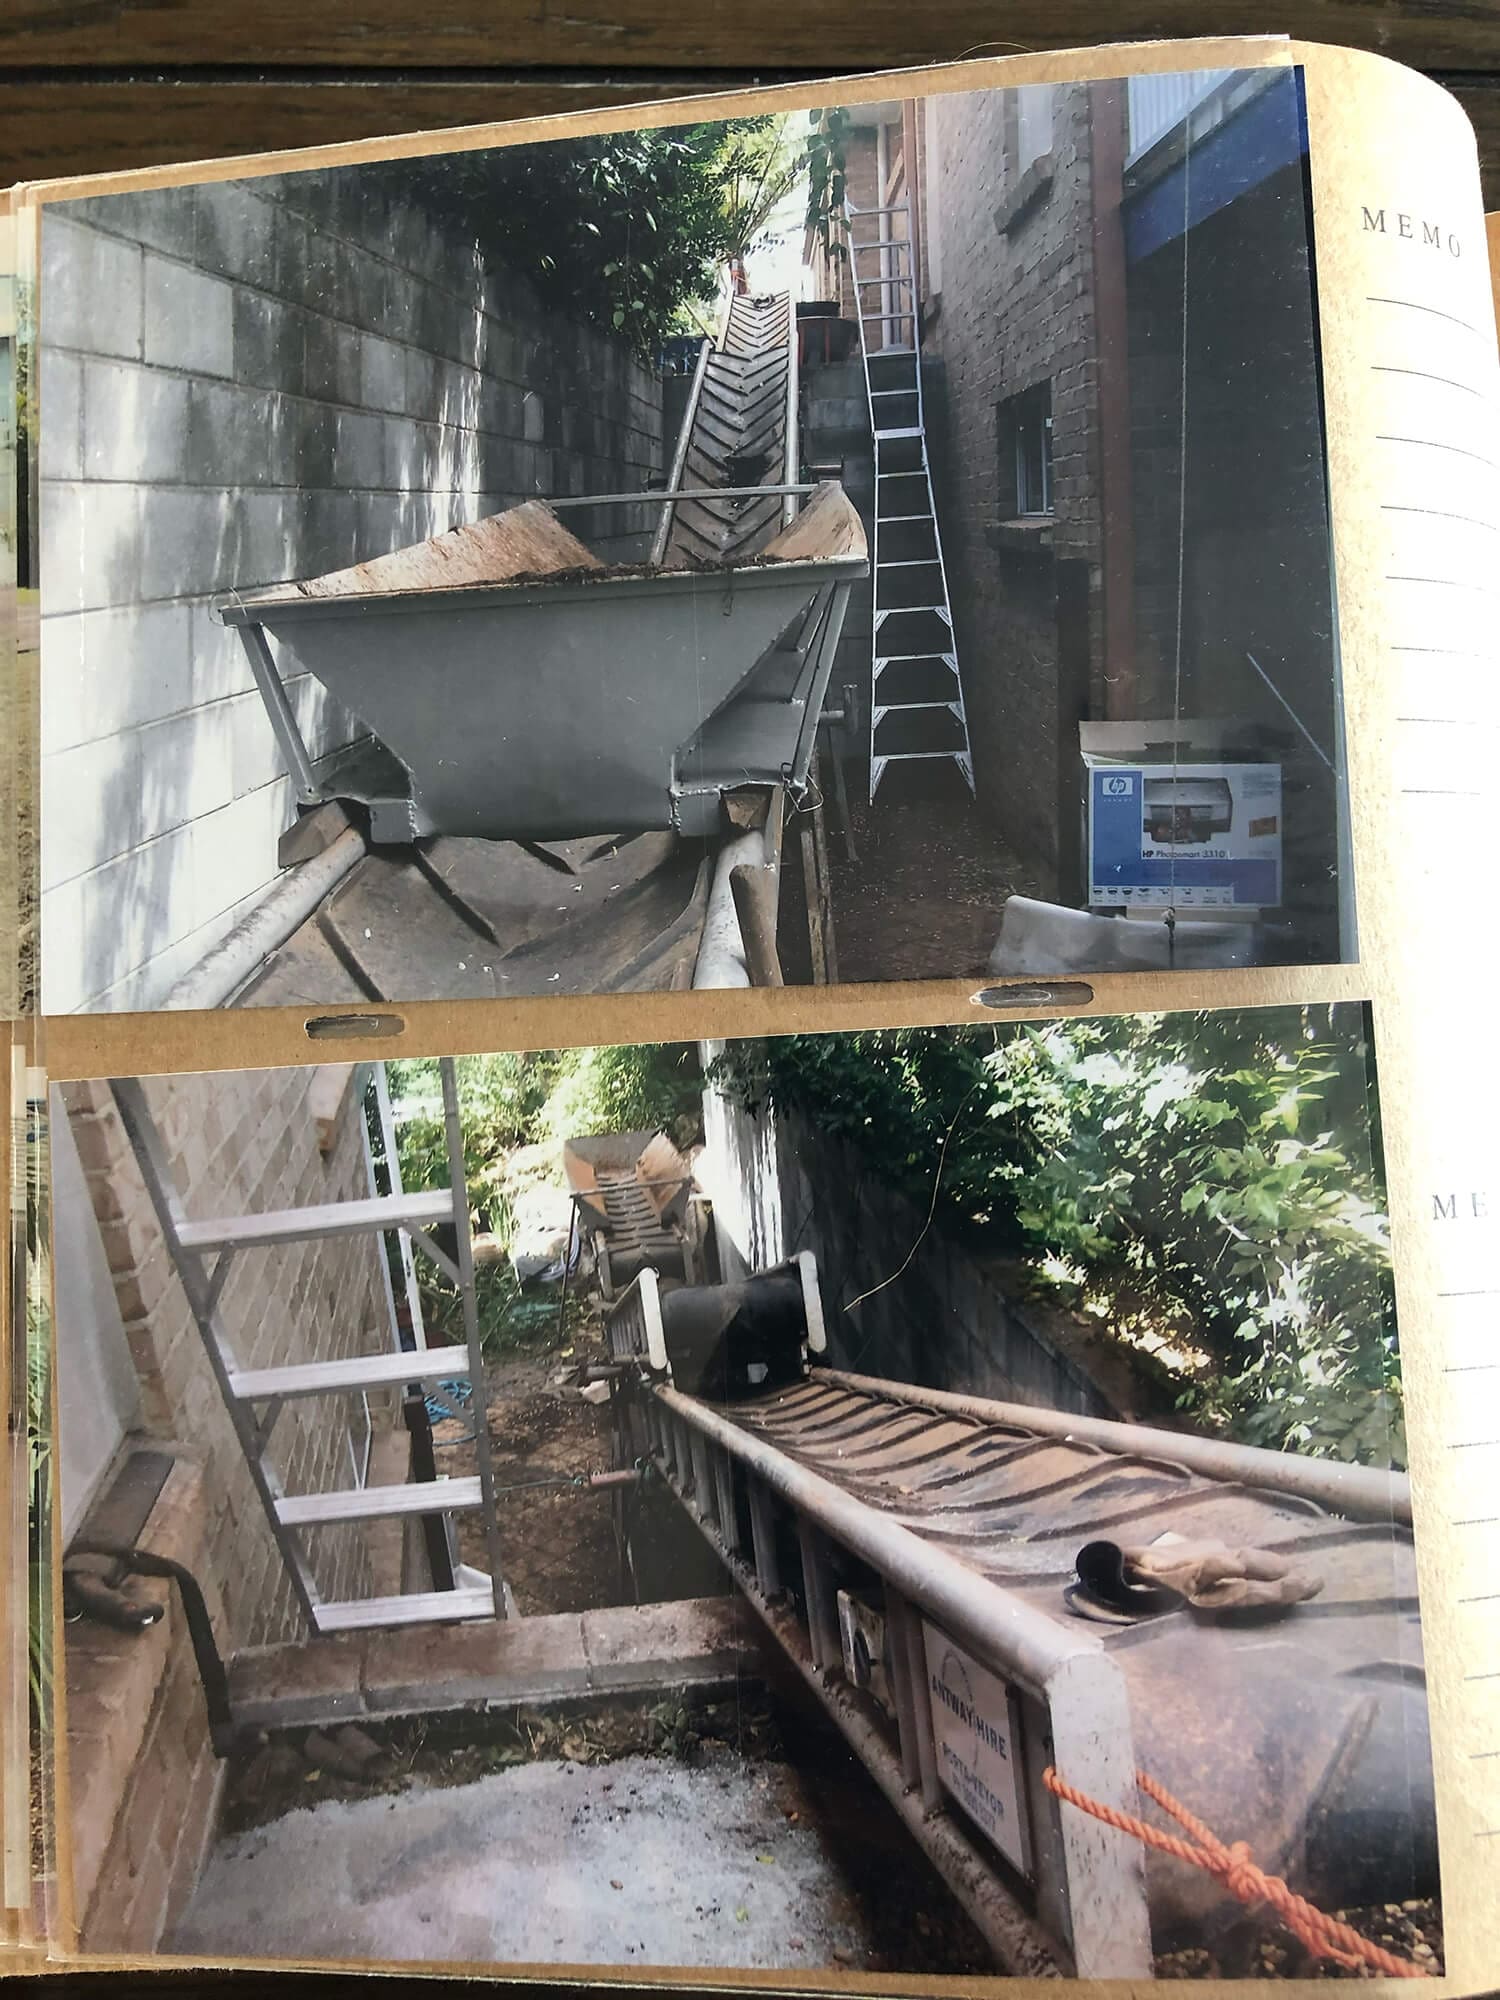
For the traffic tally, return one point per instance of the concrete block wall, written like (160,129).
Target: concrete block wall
(1014,309)
(778,1185)
(242,383)
(243,1141)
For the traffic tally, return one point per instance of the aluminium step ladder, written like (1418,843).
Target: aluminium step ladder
(916,692)
(202,1253)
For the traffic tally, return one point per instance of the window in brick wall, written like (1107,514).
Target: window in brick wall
(1026,450)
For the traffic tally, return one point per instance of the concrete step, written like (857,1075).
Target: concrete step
(699,1642)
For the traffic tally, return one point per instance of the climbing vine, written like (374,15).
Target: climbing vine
(1217,1168)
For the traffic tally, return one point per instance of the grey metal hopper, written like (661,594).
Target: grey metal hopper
(530,692)
(631,1192)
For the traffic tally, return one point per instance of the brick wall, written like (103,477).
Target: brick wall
(242,383)
(1012,250)
(1246,536)
(238,1142)
(143,1776)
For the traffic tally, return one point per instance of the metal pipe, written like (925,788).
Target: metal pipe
(792,456)
(721,951)
(279,713)
(679,455)
(289,903)
(1002,1628)
(1361,1491)
(645,499)
(225,1738)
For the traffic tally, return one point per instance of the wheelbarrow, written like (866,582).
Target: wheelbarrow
(530,692)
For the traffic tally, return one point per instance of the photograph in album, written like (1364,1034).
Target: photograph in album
(752,1505)
(846,543)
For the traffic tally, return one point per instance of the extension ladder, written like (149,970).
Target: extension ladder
(916,693)
(202,1253)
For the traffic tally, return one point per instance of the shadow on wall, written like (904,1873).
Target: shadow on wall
(251,382)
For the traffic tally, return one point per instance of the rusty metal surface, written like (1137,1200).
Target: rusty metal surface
(1303,1731)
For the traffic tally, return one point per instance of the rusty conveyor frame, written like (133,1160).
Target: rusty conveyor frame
(1099,1915)
(1058,1889)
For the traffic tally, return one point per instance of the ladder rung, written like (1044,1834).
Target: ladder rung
(868,317)
(893,520)
(916,756)
(362,1371)
(884,277)
(423,1607)
(903,709)
(899,431)
(895,392)
(900,208)
(883,243)
(910,472)
(295,1225)
(915,562)
(888,659)
(373,1503)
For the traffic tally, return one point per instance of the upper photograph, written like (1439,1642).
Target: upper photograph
(852,543)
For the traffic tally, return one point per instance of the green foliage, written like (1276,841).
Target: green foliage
(900,1096)
(511,1319)
(624,229)
(645,1088)
(759,165)
(827,180)
(538,1097)
(501,1099)
(1217,1166)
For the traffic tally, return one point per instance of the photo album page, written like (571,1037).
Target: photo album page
(751,1215)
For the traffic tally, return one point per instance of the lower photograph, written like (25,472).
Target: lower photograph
(922,1502)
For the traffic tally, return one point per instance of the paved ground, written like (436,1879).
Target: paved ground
(641,1860)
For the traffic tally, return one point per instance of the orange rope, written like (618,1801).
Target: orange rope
(1323,1935)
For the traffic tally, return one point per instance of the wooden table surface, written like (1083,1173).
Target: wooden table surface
(90,85)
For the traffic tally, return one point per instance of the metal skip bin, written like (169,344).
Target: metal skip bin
(532,692)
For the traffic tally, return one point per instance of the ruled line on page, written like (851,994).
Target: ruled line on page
(1436,444)
(1425,375)
(1438,514)
(1450,653)
(1415,305)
